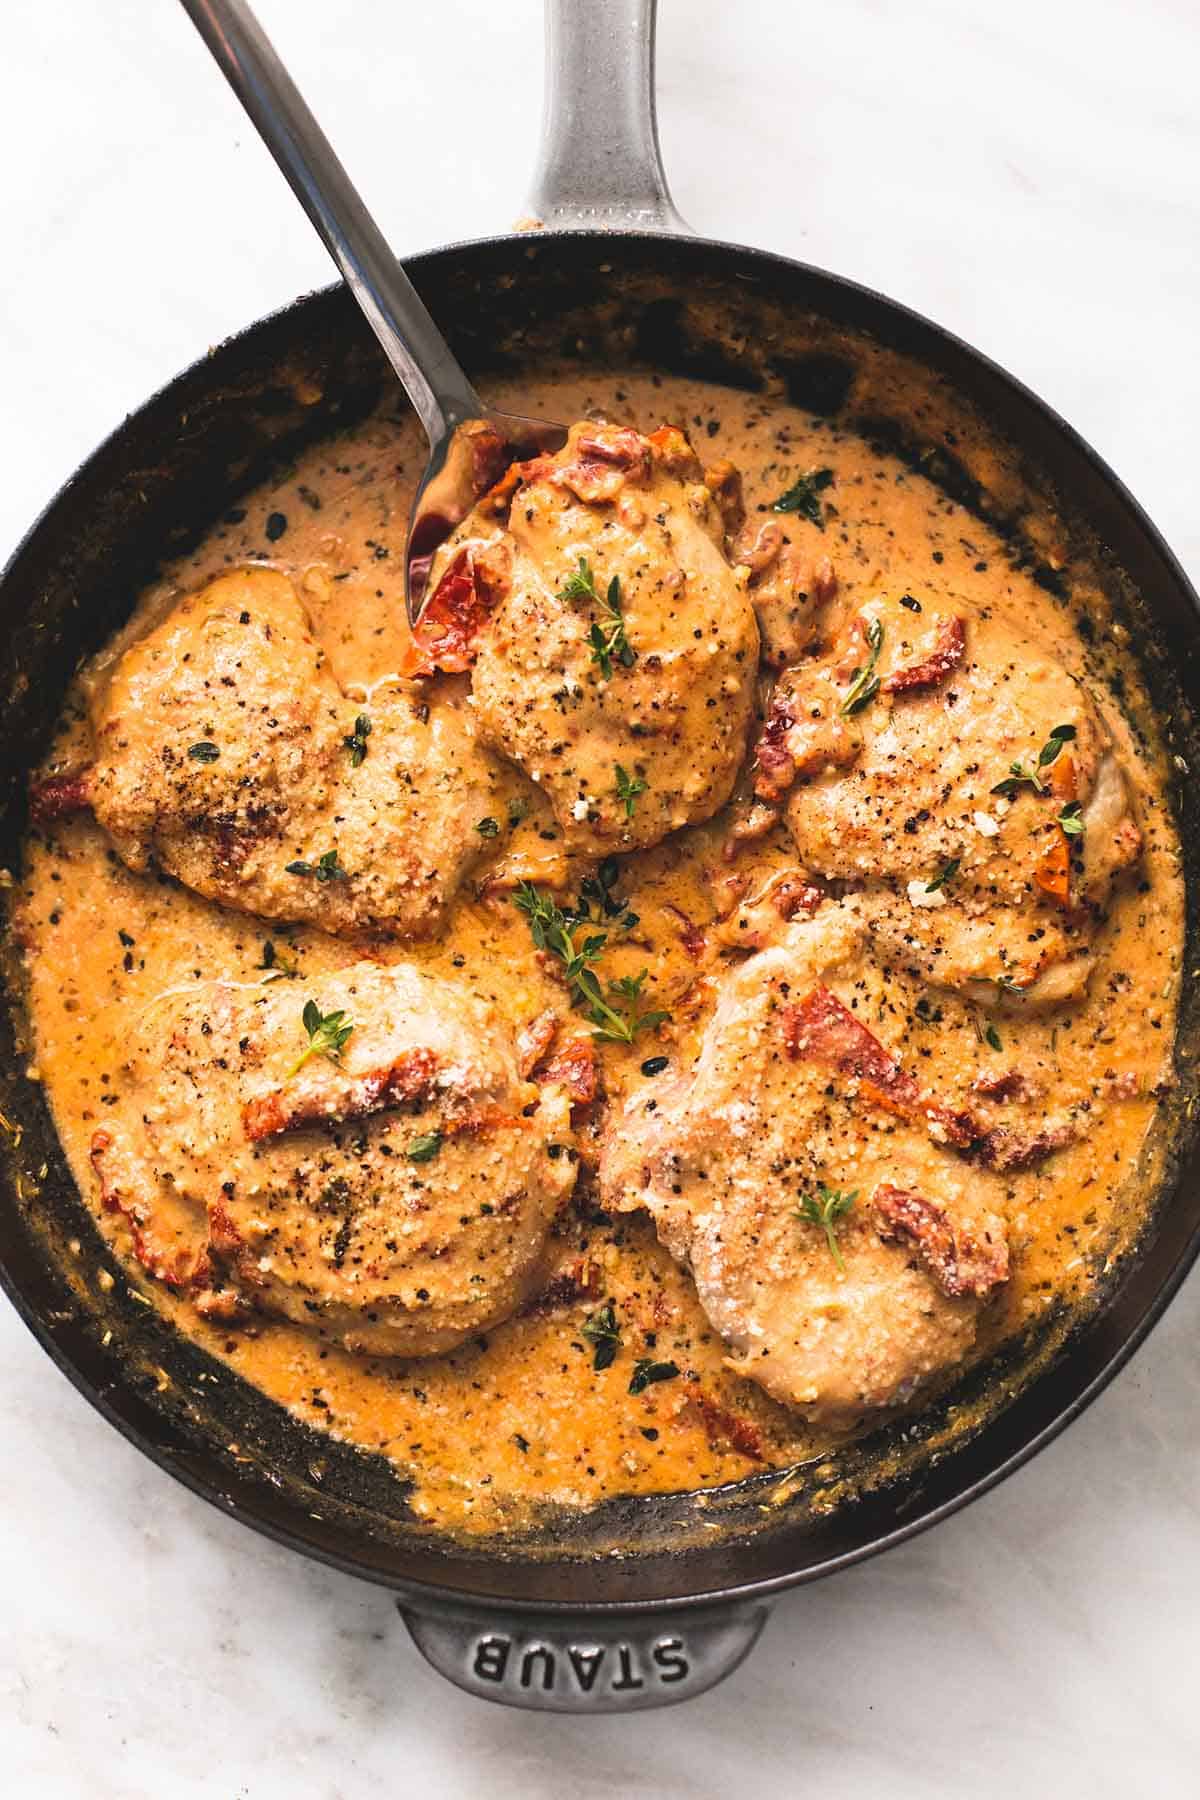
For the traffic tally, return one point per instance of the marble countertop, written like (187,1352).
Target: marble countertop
(1027,175)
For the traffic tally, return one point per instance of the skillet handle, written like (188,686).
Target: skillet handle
(561,1664)
(600,168)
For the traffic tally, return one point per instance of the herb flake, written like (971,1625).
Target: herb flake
(803,497)
(423,1149)
(647,1370)
(946,873)
(276,964)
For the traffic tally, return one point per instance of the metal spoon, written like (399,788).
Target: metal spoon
(470,444)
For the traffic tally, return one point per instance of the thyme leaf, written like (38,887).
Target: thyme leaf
(1062,734)
(646,1370)
(946,873)
(603,1334)
(326,868)
(423,1149)
(803,497)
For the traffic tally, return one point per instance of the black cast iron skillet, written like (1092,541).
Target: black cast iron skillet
(554,1619)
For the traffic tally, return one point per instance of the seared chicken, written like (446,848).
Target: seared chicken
(837,1244)
(390,1184)
(966,785)
(614,647)
(226,754)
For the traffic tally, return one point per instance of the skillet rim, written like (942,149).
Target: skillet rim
(461,1601)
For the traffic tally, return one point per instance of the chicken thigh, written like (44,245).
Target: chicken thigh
(967,786)
(839,1247)
(614,647)
(226,754)
(384,1175)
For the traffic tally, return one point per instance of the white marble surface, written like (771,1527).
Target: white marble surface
(1028,174)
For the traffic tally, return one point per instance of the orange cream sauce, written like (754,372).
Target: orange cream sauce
(522,1416)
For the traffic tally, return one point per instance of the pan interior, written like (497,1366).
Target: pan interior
(743,321)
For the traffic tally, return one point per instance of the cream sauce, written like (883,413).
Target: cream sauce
(522,1417)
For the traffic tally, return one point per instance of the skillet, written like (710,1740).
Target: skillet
(645,1601)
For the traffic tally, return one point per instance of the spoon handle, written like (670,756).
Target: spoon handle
(439,390)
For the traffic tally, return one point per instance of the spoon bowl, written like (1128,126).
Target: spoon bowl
(461,467)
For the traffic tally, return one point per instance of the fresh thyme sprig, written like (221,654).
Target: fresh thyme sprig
(326,868)
(603,1334)
(616,1012)
(356,743)
(865,685)
(1071,819)
(1019,776)
(607,634)
(628,788)
(327,1035)
(823,1210)
(623,1027)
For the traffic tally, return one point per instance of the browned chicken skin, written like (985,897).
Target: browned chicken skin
(790,1099)
(397,1199)
(226,754)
